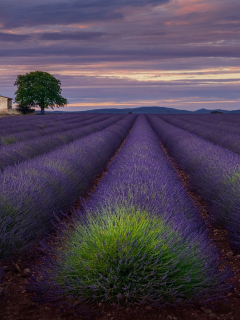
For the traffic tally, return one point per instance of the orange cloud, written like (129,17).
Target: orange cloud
(137,103)
(78,26)
(189,6)
(45,30)
(172,23)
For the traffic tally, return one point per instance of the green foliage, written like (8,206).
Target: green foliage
(7,140)
(232,179)
(39,89)
(216,111)
(128,255)
(24,109)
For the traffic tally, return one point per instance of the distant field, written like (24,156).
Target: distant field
(162,187)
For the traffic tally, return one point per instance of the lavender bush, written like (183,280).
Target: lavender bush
(25,150)
(12,138)
(213,172)
(11,125)
(139,239)
(218,119)
(226,136)
(199,121)
(32,190)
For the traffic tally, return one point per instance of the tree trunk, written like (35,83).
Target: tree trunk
(42,110)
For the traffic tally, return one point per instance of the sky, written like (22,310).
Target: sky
(182,54)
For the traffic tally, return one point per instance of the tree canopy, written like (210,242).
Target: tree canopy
(39,89)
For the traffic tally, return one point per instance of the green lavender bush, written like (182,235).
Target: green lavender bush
(129,256)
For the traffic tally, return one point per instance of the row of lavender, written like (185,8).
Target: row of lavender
(210,122)
(27,149)
(214,173)
(18,124)
(224,119)
(139,238)
(32,190)
(225,136)
(52,127)
(13,134)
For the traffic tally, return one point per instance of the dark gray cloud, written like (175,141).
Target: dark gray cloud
(58,36)
(10,37)
(70,12)
(100,53)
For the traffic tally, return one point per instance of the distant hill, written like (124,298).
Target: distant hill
(146,110)
(157,110)
(141,110)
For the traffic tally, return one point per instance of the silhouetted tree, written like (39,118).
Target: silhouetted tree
(39,89)
(215,111)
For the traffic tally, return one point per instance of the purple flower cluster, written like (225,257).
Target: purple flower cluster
(27,149)
(216,119)
(9,125)
(148,181)
(32,190)
(142,189)
(51,129)
(214,172)
(224,135)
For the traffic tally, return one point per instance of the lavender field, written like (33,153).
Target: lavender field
(107,206)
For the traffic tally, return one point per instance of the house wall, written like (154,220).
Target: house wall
(3,104)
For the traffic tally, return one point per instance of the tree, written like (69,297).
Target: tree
(216,111)
(39,89)
(24,109)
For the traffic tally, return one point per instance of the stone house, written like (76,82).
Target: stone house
(5,104)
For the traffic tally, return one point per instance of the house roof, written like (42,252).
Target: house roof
(5,97)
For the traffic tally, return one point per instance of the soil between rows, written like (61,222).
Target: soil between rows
(16,302)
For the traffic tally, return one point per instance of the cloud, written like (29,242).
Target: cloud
(55,36)
(102,53)
(10,37)
(124,44)
(68,12)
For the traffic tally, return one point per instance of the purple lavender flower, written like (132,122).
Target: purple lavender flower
(213,171)
(155,218)
(35,146)
(36,192)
